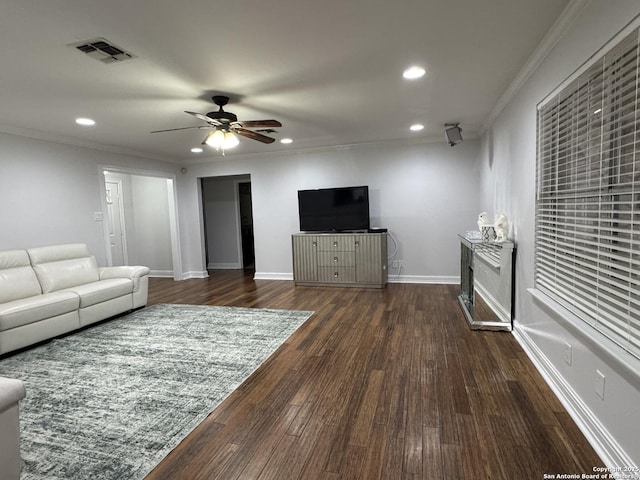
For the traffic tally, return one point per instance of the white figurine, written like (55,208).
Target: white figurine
(483,220)
(501,225)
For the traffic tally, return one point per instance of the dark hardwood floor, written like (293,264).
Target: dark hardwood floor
(377,384)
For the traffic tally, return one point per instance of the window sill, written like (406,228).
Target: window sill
(619,359)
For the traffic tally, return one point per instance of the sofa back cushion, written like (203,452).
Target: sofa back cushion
(17,278)
(63,266)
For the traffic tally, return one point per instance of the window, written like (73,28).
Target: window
(588,195)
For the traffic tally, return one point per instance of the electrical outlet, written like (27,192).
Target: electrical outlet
(600,378)
(568,353)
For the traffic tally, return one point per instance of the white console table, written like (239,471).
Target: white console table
(486,283)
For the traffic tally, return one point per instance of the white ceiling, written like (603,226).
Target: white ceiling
(330,71)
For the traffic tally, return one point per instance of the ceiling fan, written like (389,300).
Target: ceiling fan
(225,124)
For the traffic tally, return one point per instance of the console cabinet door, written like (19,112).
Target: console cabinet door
(305,261)
(371,258)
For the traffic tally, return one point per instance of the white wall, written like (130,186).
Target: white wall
(152,241)
(423,193)
(508,159)
(50,192)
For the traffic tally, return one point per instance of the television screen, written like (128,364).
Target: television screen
(334,209)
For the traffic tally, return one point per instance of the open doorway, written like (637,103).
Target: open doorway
(141,224)
(246,225)
(228,222)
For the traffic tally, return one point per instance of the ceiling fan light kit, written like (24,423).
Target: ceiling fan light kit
(221,139)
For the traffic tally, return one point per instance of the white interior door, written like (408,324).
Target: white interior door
(115,213)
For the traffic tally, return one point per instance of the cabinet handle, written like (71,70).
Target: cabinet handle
(335,244)
(335,274)
(314,244)
(335,259)
(357,243)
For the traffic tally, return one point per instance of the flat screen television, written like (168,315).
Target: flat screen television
(341,209)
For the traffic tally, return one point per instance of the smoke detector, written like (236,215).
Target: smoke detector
(103,50)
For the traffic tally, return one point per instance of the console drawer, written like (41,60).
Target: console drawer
(336,259)
(337,274)
(336,243)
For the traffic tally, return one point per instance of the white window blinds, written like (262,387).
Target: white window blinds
(588,195)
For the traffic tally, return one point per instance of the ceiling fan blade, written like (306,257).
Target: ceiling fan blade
(253,135)
(181,128)
(204,118)
(258,123)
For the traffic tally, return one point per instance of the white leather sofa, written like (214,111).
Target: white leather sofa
(11,392)
(48,291)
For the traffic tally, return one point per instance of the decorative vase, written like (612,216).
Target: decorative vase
(488,233)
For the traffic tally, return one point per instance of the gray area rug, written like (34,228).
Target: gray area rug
(112,401)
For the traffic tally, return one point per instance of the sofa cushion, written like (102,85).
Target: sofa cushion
(63,266)
(11,392)
(55,253)
(17,278)
(135,273)
(97,292)
(33,309)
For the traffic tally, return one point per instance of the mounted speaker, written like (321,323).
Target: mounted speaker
(453,133)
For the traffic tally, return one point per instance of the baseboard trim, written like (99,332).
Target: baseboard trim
(272,276)
(391,279)
(195,274)
(224,266)
(422,279)
(605,445)
(161,273)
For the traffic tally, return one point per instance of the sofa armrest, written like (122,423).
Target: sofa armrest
(11,392)
(135,273)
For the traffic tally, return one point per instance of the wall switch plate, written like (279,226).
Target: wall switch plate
(568,353)
(600,378)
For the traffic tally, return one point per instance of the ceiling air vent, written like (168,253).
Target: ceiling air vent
(103,50)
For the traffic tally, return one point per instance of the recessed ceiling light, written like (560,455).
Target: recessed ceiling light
(416,127)
(196,150)
(413,72)
(87,122)
(286,140)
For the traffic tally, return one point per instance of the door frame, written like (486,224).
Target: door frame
(237,179)
(176,250)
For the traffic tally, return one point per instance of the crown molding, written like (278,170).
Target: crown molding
(553,36)
(397,142)
(48,137)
